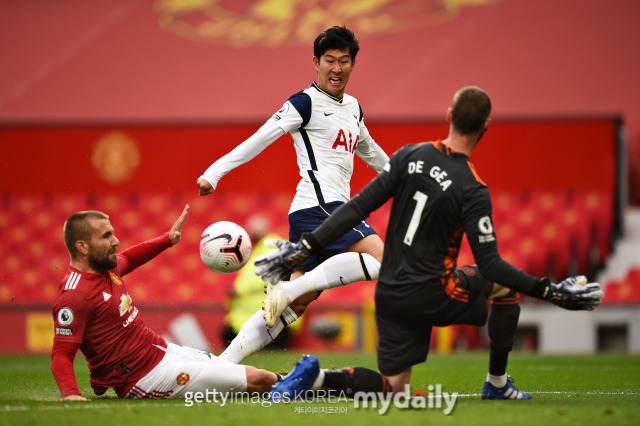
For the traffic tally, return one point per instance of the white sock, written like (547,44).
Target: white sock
(338,270)
(319,381)
(254,335)
(497,381)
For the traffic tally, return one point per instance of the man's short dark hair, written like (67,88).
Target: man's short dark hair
(76,228)
(470,109)
(336,37)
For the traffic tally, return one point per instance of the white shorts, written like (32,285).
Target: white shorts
(184,369)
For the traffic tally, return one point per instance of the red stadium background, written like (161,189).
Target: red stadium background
(551,215)
(121,105)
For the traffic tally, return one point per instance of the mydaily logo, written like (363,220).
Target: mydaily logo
(435,398)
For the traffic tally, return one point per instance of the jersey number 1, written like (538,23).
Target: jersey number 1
(421,200)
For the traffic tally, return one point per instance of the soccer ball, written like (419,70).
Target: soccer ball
(225,247)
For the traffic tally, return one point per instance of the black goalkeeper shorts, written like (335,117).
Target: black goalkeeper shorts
(404,335)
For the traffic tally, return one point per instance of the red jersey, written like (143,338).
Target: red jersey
(97,312)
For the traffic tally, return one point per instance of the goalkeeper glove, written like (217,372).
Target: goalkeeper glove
(276,266)
(574,293)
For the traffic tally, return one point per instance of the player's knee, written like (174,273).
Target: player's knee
(498,292)
(509,304)
(376,254)
(259,380)
(371,244)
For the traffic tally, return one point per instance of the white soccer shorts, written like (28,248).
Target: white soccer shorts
(184,369)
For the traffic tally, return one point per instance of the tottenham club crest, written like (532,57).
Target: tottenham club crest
(65,316)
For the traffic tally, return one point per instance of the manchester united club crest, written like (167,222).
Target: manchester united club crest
(182,379)
(273,23)
(116,279)
(469,271)
(116,157)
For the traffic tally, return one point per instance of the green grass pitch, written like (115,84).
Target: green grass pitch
(576,390)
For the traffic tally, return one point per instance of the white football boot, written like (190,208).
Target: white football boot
(275,303)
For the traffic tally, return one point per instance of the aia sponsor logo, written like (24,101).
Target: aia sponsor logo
(342,143)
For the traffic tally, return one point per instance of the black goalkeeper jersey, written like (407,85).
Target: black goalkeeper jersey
(437,197)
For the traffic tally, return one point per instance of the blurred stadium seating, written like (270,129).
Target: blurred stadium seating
(625,291)
(621,274)
(546,233)
(36,259)
(551,219)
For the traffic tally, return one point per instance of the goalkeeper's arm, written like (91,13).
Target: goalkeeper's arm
(573,293)
(275,266)
(336,225)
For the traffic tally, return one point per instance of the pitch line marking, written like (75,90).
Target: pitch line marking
(88,406)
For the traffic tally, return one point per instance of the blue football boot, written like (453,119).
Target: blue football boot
(507,392)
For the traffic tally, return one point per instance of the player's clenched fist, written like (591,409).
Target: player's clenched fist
(205,187)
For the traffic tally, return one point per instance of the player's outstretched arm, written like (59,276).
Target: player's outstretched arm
(175,233)
(205,188)
(62,356)
(242,154)
(141,253)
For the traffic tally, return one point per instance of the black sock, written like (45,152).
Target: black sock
(355,379)
(502,325)
(498,362)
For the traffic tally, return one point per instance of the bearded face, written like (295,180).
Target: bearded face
(101,259)
(102,247)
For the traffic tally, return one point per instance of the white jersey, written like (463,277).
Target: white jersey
(327,132)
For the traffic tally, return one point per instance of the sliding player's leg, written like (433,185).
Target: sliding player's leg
(345,382)
(283,309)
(184,371)
(255,335)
